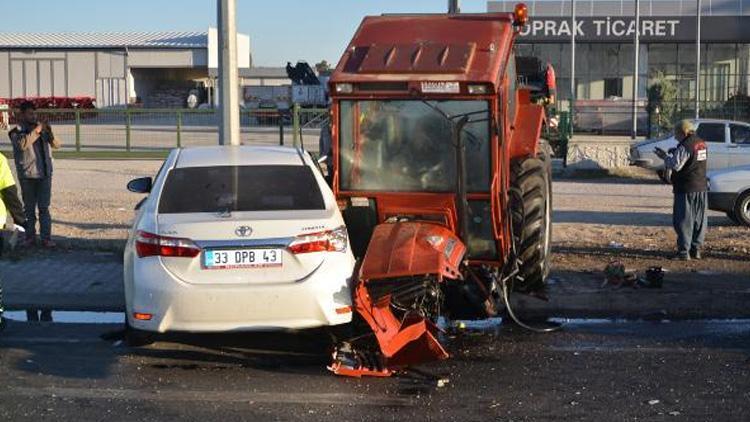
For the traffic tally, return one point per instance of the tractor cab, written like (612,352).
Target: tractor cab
(417,121)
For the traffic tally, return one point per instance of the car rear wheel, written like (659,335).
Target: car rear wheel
(531,209)
(731,215)
(742,209)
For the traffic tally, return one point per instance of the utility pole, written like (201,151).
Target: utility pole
(572,63)
(229,104)
(454,7)
(634,134)
(698,61)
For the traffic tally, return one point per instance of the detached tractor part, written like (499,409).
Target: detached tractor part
(444,184)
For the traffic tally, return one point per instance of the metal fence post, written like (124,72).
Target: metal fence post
(281,129)
(295,124)
(179,129)
(78,130)
(127,130)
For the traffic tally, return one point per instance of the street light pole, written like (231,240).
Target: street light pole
(454,7)
(229,104)
(634,133)
(698,60)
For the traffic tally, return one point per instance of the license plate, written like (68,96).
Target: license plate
(241,258)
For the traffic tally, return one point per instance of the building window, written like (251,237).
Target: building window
(612,87)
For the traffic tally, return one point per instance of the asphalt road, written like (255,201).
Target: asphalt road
(589,371)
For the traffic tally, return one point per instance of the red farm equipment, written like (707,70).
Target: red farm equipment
(444,183)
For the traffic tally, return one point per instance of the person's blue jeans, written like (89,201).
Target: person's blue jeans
(37,194)
(690,220)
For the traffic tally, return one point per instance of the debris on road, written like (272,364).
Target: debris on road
(654,278)
(615,274)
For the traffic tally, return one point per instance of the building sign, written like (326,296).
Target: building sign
(652,29)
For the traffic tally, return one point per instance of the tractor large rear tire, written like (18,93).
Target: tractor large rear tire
(531,206)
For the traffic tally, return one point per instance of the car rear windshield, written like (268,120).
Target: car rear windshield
(240,188)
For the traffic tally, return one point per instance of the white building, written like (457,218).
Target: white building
(154,69)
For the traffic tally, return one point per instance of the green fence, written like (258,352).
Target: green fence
(158,130)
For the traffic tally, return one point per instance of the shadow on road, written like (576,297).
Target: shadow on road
(90,225)
(300,352)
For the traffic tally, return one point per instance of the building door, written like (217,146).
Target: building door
(110,92)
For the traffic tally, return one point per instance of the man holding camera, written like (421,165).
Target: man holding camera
(687,164)
(33,142)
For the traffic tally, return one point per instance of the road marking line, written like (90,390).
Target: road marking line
(282,397)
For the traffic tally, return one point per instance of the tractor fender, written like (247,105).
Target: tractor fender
(412,248)
(527,130)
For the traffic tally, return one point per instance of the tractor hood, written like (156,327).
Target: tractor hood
(412,248)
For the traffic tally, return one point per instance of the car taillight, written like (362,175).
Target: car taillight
(328,241)
(149,244)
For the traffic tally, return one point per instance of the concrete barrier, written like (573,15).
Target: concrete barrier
(591,152)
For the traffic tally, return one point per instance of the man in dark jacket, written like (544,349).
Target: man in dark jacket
(33,142)
(688,165)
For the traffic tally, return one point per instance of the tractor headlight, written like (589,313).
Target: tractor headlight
(477,89)
(344,88)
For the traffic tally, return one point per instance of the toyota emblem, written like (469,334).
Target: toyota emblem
(243,231)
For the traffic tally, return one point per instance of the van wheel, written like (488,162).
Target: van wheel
(531,209)
(742,209)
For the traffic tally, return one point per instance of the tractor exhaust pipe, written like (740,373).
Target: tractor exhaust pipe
(462,205)
(454,7)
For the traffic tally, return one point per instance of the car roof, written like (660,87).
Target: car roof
(719,121)
(241,155)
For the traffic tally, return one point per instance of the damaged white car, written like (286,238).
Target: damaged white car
(236,239)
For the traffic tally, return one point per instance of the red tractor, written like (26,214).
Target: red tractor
(437,164)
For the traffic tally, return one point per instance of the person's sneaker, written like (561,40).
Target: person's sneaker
(28,242)
(681,256)
(49,244)
(696,254)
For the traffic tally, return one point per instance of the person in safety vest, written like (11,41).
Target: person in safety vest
(10,206)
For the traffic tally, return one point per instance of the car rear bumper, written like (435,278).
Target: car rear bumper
(322,299)
(721,201)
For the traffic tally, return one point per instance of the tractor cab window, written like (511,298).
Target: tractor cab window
(407,145)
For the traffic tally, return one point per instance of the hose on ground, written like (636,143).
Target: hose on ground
(518,195)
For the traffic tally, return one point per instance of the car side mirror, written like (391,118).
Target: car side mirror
(141,185)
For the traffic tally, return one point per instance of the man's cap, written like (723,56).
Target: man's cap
(685,126)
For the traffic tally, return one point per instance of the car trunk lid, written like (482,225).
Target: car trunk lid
(245,231)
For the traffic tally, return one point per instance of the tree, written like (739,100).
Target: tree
(662,104)
(323,68)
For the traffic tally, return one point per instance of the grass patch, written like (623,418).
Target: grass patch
(105,155)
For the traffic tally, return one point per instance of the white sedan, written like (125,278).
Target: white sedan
(729,191)
(236,239)
(728,145)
